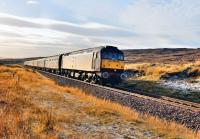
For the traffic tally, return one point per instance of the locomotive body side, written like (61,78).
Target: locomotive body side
(81,62)
(98,65)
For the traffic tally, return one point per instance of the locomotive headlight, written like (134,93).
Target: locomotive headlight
(123,76)
(105,74)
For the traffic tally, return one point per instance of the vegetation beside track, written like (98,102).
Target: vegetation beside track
(180,81)
(33,106)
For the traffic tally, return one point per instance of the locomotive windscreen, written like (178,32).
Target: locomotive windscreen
(112,53)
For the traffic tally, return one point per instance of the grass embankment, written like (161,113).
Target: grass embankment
(154,71)
(31,106)
(150,75)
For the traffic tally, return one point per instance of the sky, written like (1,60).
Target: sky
(30,28)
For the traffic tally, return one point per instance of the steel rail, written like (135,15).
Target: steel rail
(173,101)
(141,94)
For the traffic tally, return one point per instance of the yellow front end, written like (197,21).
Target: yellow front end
(112,64)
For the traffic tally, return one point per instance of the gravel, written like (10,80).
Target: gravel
(169,112)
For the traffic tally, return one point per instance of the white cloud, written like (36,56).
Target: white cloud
(175,18)
(30,33)
(134,25)
(32,2)
(89,29)
(50,36)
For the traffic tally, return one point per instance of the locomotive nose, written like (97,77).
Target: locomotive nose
(112,64)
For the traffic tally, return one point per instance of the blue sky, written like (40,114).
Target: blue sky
(47,27)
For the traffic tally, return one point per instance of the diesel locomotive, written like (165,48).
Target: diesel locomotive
(101,65)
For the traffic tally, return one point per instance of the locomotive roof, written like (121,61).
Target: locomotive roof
(96,49)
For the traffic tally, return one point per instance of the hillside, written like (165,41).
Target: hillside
(168,72)
(165,56)
(16,61)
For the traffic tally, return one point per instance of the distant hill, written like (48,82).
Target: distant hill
(165,55)
(19,61)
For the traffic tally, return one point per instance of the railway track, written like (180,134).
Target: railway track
(183,112)
(173,101)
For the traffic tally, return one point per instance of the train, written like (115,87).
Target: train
(100,65)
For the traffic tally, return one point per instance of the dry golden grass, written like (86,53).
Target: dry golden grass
(18,114)
(21,117)
(155,71)
(164,128)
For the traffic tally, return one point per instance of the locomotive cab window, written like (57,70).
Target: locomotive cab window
(112,56)
(112,53)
